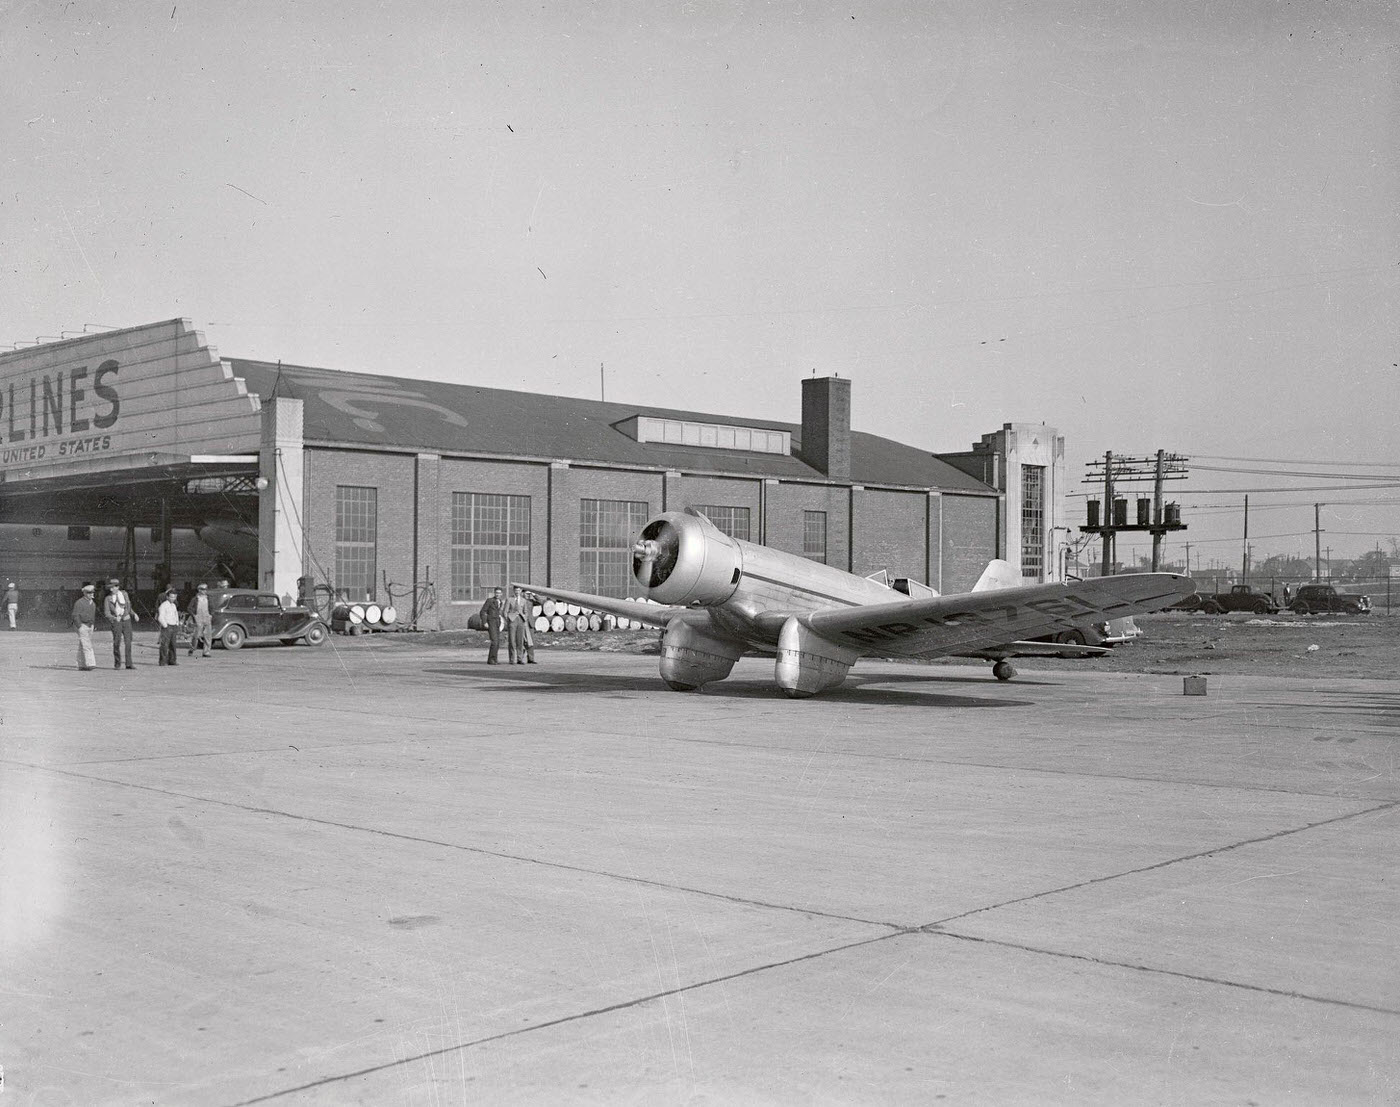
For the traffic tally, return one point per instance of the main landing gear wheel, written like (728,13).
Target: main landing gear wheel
(1002,670)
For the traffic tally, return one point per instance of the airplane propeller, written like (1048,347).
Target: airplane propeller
(654,555)
(643,561)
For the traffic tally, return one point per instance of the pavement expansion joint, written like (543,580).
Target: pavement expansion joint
(577,1016)
(479,851)
(1213,851)
(936,929)
(998,766)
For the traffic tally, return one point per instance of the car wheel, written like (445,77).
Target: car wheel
(1302,609)
(1213,608)
(316,634)
(1261,607)
(233,637)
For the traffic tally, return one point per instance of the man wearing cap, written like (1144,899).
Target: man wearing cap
(168,616)
(11,602)
(203,620)
(84,618)
(120,617)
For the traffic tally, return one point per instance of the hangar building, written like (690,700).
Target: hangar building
(309,481)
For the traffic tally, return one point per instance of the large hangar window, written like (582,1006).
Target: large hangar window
(490,542)
(356,539)
(607,529)
(734,521)
(1033,522)
(814,535)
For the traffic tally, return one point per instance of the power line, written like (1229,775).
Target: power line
(1234,540)
(1295,461)
(1295,488)
(1295,473)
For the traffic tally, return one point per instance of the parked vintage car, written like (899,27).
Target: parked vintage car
(247,615)
(1241,597)
(1312,598)
(1194,602)
(1111,633)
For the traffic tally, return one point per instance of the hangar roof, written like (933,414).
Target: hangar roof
(365,409)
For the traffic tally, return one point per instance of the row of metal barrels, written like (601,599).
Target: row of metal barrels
(365,615)
(557,617)
(551,617)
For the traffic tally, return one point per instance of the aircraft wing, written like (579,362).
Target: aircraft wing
(1038,649)
(650,614)
(963,624)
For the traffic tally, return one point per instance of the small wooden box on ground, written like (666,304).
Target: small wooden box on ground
(1193,686)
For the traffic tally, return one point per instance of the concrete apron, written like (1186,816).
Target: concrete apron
(378,873)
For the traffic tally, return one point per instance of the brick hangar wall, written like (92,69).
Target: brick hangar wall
(786,504)
(392,476)
(970,540)
(890,532)
(907,532)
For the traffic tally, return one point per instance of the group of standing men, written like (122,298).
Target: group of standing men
(511,618)
(121,619)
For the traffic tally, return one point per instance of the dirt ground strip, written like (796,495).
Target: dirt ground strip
(1277,645)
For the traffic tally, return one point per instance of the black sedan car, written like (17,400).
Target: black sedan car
(1310,599)
(247,615)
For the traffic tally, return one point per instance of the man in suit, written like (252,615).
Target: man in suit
(520,613)
(493,618)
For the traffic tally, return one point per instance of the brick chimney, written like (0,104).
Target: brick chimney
(826,425)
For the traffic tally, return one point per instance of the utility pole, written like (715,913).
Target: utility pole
(1153,516)
(1317,542)
(1157,535)
(1244,579)
(1108,519)
(1188,559)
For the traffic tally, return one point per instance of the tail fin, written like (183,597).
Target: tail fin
(998,574)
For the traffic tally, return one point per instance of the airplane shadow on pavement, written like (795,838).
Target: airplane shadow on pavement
(857,690)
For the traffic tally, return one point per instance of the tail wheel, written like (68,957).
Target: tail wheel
(1002,670)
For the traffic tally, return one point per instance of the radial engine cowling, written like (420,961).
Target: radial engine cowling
(686,559)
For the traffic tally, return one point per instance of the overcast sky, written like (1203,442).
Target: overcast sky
(1164,226)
